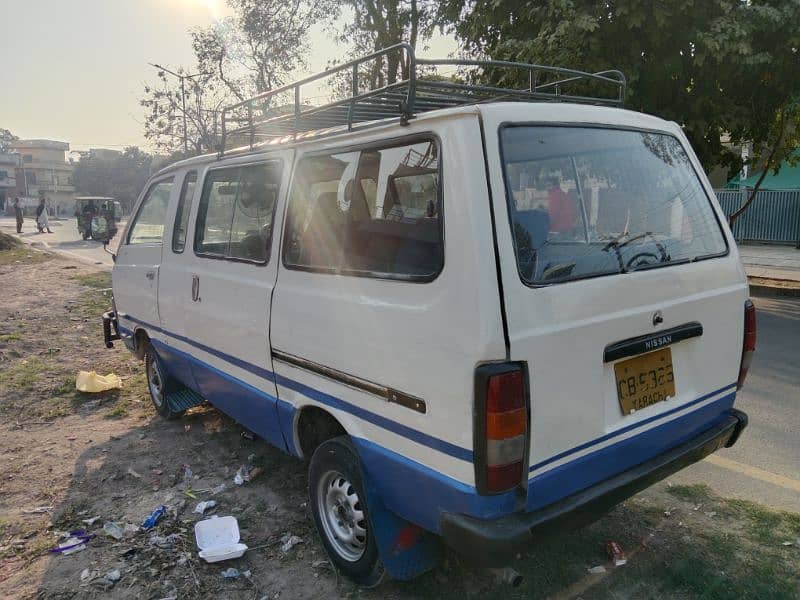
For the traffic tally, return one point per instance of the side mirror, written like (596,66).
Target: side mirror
(105,249)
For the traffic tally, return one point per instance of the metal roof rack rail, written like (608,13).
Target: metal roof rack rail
(281,112)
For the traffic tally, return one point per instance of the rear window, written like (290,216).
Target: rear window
(587,201)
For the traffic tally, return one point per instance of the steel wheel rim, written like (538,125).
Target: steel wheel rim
(342,515)
(155,382)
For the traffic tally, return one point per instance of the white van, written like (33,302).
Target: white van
(480,320)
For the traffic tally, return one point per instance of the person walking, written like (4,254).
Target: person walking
(18,214)
(42,219)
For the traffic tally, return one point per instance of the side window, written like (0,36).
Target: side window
(182,214)
(374,212)
(234,219)
(148,226)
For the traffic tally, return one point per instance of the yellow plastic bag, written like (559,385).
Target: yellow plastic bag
(90,381)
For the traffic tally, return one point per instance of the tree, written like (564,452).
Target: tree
(164,113)
(121,177)
(718,67)
(379,24)
(5,137)
(252,51)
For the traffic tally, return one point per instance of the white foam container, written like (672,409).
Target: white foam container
(218,539)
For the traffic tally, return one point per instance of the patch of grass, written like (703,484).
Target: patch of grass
(100,280)
(119,411)
(93,303)
(23,374)
(10,337)
(8,242)
(695,492)
(23,255)
(768,526)
(65,387)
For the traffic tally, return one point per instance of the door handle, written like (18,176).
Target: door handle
(150,275)
(195,288)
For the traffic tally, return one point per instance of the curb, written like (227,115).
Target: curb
(774,291)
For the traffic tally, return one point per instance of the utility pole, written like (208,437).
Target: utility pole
(183,98)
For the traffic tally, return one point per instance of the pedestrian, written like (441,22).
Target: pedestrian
(88,213)
(18,214)
(42,219)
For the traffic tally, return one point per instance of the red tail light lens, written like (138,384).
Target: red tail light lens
(501,427)
(748,343)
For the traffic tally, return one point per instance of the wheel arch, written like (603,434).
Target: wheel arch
(314,425)
(140,340)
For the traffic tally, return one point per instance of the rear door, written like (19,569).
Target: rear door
(136,270)
(231,270)
(623,294)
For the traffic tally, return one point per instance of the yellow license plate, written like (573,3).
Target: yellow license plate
(644,380)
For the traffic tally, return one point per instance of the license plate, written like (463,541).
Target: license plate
(644,380)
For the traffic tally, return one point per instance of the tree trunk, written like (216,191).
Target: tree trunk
(767,165)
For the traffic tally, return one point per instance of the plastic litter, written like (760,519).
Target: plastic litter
(114,575)
(597,570)
(246,473)
(113,530)
(91,521)
(91,382)
(289,541)
(76,542)
(218,539)
(130,529)
(165,542)
(218,489)
(38,510)
(154,517)
(230,573)
(204,506)
(616,553)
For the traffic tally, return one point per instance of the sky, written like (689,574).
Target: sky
(74,70)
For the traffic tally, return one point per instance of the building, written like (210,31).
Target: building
(8,179)
(45,172)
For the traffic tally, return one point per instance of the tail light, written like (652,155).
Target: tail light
(501,427)
(748,343)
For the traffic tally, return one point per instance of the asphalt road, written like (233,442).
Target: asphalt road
(66,239)
(764,465)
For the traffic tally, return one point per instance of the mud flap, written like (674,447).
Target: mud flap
(407,550)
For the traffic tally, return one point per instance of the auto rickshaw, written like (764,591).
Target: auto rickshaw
(97,217)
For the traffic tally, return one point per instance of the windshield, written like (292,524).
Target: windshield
(587,201)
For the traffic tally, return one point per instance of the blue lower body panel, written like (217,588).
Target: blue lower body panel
(583,472)
(254,408)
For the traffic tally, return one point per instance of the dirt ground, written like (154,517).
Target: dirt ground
(68,457)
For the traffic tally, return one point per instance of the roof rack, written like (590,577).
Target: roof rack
(281,112)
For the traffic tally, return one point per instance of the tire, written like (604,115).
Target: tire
(159,383)
(334,480)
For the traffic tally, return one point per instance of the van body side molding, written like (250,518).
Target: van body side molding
(387,393)
(651,341)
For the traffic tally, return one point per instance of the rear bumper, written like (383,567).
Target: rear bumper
(496,542)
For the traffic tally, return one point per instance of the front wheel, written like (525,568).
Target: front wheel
(339,507)
(159,383)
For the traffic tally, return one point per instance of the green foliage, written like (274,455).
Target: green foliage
(121,177)
(253,50)
(719,68)
(5,137)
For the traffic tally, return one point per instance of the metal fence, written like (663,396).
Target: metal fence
(774,215)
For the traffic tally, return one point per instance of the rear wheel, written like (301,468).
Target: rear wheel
(339,506)
(159,383)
